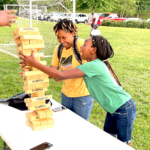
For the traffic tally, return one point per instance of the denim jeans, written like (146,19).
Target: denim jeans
(120,123)
(82,106)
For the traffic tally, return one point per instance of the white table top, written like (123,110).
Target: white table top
(70,132)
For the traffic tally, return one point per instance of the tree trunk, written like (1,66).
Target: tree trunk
(138,10)
(93,12)
(93,9)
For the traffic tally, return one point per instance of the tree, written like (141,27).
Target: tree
(141,5)
(2,2)
(92,4)
(123,7)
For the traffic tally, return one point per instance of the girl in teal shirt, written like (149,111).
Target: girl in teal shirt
(102,86)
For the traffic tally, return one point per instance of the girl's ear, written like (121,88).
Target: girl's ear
(72,33)
(94,49)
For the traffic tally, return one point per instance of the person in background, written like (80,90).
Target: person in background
(42,17)
(120,108)
(89,21)
(96,17)
(6,18)
(95,30)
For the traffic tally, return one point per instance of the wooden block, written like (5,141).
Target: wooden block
(42,127)
(35,50)
(14,32)
(35,77)
(27,51)
(32,116)
(37,46)
(19,46)
(43,122)
(41,55)
(36,55)
(25,42)
(39,107)
(40,113)
(42,62)
(18,34)
(36,86)
(38,76)
(35,90)
(28,67)
(33,42)
(35,123)
(38,94)
(40,41)
(38,58)
(34,69)
(26,81)
(28,114)
(36,33)
(35,103)
(26,29)
(48,112)
(50,120)
(45,97)
(32,73)
(31,37)
(29,33)
(28,123)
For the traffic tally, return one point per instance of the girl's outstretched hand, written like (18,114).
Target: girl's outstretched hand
(27,60)
(6,19)
(24,70)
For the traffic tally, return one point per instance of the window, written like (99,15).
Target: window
(104,15)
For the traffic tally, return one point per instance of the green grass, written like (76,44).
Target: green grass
(130,62)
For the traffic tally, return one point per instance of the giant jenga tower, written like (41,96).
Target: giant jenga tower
(35,81)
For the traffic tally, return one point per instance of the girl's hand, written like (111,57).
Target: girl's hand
(21,73)
(6,19)
(27,60)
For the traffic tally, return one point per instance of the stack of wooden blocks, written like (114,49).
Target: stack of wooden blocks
(35,81)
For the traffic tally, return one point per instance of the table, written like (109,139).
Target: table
(71,132)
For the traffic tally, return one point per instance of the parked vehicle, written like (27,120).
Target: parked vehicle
(63,16)
(79,17)
(134,19)
(51,14)
(54,18)
(148,20)
(108,16)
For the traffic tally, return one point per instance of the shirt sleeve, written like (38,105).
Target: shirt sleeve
(90,69)
(96,18)
(55,60)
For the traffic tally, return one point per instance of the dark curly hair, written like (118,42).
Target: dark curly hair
(67,26)
(104,49)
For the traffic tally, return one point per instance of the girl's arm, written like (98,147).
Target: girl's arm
(68,74)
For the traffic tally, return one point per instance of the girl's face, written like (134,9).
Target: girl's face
(65,38)
(86,50)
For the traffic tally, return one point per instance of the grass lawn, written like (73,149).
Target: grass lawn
(130,62)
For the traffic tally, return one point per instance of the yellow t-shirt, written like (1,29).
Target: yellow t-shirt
(71,87)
